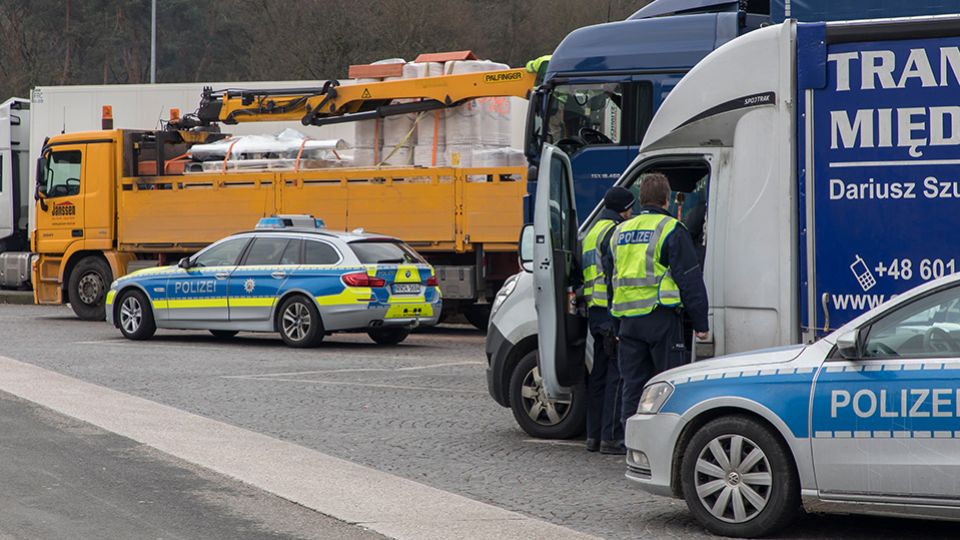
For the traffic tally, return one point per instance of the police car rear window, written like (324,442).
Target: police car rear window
(380,252)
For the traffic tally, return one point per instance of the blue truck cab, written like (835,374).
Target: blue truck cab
(604,83)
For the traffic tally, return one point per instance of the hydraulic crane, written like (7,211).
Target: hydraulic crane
(334,103)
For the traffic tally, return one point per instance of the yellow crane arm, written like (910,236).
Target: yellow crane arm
(333,103)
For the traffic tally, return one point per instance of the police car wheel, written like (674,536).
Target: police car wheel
(87,288)
(135,316)
(539,416)
(739,479)
(298,322)
(388,336)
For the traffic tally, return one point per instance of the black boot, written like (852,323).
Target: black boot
(593,445)
(615,448)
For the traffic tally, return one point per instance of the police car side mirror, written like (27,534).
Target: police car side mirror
(848,345)
(184,263)
(526,247)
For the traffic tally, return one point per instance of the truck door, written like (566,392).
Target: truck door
(556,275)
(60,210)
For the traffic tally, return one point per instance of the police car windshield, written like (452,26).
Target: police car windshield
(384,252)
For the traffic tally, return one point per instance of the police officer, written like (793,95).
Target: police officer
(604,428)
(655,273)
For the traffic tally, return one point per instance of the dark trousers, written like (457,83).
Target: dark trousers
(603,389)
(649,345)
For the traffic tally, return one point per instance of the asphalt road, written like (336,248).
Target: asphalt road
(61,478)
(419,410)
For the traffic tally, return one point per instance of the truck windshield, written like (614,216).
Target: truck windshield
(385,252)
(585,114)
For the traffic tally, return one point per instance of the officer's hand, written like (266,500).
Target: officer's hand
(702,336)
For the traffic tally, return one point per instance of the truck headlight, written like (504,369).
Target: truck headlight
(508,287)
(653,397)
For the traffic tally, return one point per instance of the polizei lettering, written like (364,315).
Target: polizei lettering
(902,403)
(911,127)
(194,287)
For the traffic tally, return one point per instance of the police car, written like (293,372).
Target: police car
(866,420)
(290,275)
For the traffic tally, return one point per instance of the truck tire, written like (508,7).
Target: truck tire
(538,416)
(478,315)
(388,336)
(135,315)
(298,322)
(739,478)
(87,288)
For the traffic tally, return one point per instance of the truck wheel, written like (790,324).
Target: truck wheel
(739,478)
(87,288)
(298,322)
(541,417)
(478,315)
(135,316)
(388,336)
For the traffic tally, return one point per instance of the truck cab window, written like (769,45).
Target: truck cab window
(62,174)
(585,114)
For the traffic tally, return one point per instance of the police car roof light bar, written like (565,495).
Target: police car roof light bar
(291,220)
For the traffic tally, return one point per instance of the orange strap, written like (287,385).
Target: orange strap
(296,166)
(436,134)
(166,164)
(227,157)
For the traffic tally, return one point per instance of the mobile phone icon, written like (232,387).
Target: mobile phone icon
(862,273)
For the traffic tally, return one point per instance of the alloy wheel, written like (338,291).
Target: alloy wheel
(131,314)
(733,478)
(539,408)
(296,321)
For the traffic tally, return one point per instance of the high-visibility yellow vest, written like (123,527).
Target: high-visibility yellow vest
(640,282)
(594,286)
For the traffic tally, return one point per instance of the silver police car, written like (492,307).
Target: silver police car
(292,276)
(866,420)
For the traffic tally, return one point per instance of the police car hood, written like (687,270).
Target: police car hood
(735,362)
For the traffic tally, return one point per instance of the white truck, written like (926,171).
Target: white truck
(826,158)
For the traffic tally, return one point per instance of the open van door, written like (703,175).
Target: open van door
(557,275)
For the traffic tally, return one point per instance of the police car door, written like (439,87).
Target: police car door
(556,274)
(199,293)
(885,423)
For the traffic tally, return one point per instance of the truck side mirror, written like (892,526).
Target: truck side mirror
(184,263)
(526,247)
(848,345)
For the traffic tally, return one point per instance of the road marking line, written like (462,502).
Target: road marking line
(350,370)
(388,504)
(350,383)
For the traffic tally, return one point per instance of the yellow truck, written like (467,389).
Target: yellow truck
(111,200)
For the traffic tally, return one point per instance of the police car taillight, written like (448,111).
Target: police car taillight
(362,279)
(433,281)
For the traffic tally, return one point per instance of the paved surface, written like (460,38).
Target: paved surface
(61,478)
(419,410)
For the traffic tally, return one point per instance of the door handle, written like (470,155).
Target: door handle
(825,304)
(279,274)
(222,275)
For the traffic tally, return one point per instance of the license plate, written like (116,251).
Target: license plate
(406,288)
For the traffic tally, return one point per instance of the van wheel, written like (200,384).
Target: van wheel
(541,417)
(388,336)
(739,478)
(87,288)
(135,316)
(298,322)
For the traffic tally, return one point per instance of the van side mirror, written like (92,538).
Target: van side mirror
(526,247)
(848,345)
(184,263)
